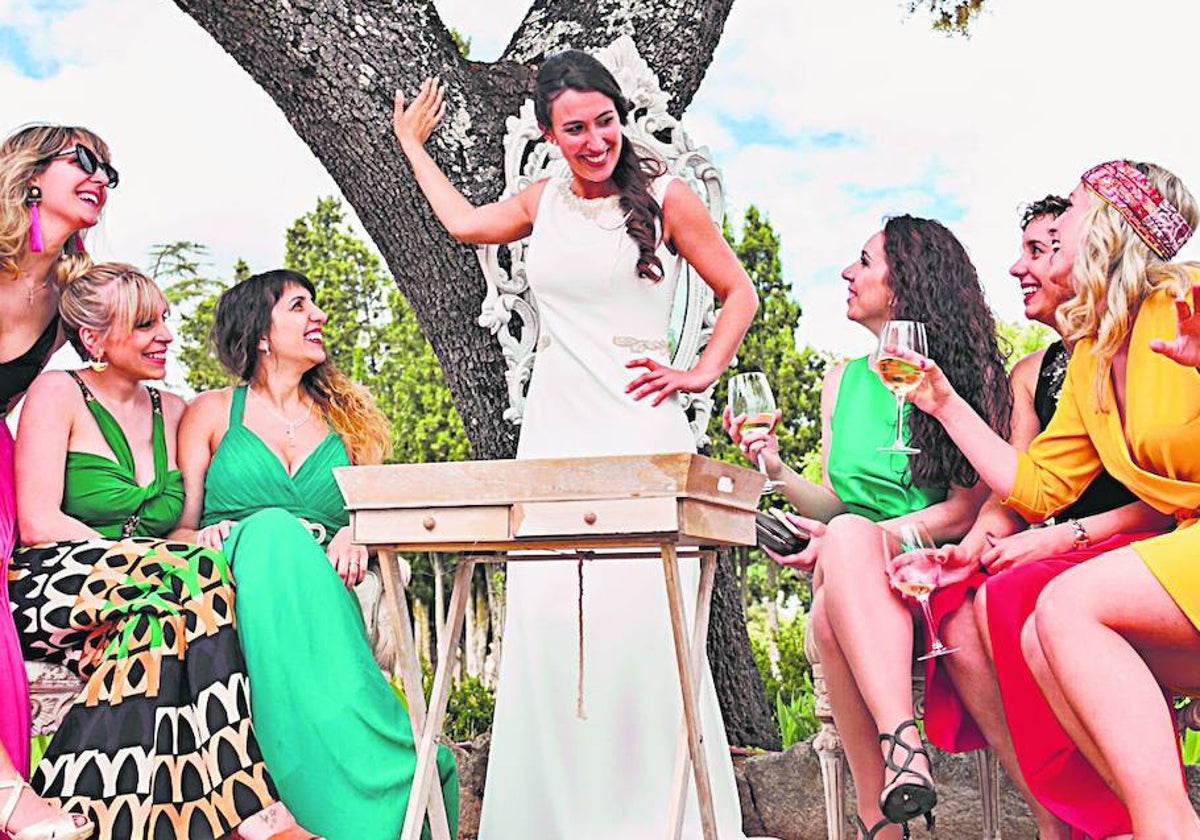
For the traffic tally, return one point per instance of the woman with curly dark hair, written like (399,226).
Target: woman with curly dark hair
(914,269)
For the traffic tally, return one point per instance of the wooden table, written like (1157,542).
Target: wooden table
(640,506)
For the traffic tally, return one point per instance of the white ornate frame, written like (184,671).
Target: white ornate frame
(529,158)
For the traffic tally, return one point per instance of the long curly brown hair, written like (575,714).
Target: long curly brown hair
(576,70)
(932,279)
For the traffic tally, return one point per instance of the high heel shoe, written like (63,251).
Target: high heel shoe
(869,833)
(63,826)
(906,800)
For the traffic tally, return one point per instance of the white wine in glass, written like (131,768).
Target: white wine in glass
(900,375)
(750,394)
(917,578)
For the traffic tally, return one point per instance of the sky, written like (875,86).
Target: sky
(829,116)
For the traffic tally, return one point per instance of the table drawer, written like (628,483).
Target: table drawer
(432,525)
(601,516)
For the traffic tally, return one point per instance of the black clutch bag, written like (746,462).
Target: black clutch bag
(775,535)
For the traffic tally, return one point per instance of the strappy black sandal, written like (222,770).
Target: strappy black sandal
(869,833)
(907,800)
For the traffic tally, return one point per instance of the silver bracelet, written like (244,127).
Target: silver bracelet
(1082,539)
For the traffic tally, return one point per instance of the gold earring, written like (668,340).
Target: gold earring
(97,363)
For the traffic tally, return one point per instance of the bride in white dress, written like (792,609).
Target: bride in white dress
(605,248)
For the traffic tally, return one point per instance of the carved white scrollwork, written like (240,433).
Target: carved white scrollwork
(509,310)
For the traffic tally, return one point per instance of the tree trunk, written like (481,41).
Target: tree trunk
(332,67)
(495,581)
(439,605)
(422,631)
(748,720)
(477,626)
(773,618)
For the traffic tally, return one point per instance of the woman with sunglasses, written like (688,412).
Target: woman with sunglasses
(54,183)
(159,743)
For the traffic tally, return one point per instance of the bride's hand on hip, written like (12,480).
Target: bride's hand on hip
(348,560)
(414,123)
(663,381)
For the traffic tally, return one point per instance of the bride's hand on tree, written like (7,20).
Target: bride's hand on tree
(663,381)
(1185,349)
(348,560)
(414,123)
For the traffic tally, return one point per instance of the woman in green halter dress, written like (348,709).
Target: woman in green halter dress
(914,269)
(258,463)
(159,743)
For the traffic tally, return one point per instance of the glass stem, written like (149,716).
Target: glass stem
(899,421)
(934,642)
(762,465)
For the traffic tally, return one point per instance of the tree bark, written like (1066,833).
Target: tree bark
(332,67)
(748,720)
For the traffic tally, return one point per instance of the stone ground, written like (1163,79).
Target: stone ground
(782,796)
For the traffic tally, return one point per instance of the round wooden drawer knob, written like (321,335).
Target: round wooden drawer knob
(429,523)
(589,518)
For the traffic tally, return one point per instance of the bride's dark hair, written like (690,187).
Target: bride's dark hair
(575,70)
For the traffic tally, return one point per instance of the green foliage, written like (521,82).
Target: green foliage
(797,716)
(795,375)
(469,708)
(372,333)
(793,664)
(180,269)
(461,42)
(770,346)
(953,17)
(1019,339)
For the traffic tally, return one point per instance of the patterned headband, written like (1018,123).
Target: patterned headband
(1130,193)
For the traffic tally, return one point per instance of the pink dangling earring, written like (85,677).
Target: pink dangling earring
(33,197)
(77,243)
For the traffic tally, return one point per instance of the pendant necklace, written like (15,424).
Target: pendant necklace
(289,426)
(30,291)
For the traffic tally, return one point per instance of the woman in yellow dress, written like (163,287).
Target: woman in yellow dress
(1130,405)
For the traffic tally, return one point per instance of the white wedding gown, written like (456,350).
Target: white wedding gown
(551,774)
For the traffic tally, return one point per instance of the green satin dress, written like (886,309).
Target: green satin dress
(335,737)
(869,482)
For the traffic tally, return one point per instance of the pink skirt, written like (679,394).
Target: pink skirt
(14,687)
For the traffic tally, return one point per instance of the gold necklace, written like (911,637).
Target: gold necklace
(289,426)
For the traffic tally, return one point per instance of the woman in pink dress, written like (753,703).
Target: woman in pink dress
(54,182)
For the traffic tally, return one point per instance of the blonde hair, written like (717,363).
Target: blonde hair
(351,411)
(108,298)
(23,156)
(1115,272)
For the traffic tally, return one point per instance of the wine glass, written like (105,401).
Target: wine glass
(898,374)
(750,394)
(917,578)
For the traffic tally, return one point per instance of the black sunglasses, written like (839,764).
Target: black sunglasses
(87,160)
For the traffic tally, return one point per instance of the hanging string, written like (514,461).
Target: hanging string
(580,712)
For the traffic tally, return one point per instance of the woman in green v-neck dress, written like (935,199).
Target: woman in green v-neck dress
(159,744)
(258,463)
